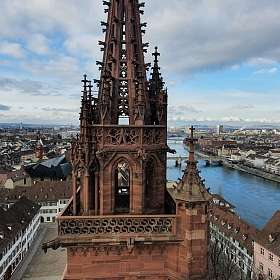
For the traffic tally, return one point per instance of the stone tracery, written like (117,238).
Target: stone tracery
(117,225)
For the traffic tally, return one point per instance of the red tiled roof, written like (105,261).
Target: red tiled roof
(41,191)
(17,175)
(269,236)
(15,219)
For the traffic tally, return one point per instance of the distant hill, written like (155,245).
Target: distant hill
(26,125)
(226,124)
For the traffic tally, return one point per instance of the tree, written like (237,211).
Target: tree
(259,275)
(222,266)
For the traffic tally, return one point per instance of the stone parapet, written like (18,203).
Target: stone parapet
(115,227)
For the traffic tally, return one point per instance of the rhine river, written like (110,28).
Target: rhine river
(255,199)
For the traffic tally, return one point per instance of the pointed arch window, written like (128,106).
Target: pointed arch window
(122,187)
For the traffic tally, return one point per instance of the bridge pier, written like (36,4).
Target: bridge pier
(216,162)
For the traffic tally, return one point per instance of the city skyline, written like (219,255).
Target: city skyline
(222,59)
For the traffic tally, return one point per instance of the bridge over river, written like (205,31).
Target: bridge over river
(209,160)
(175,140)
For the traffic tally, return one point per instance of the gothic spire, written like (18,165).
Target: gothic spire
(123,68)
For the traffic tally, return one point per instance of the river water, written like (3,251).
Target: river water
(255,199)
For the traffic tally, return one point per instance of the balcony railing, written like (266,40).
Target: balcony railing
(95,228)
(100,226)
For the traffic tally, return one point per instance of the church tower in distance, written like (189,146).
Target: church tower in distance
(122,222)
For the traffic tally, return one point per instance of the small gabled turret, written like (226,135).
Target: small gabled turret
(192,200)
(191,188)
(156,82)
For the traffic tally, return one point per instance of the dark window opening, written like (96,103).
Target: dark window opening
(122,188)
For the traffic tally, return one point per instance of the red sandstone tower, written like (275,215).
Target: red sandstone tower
(122,223)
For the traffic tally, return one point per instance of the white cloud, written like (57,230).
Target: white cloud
(83,45)
(192,36)
(235,67)
(229,33)
(182,111)
(212,35)
(272,70)
(260,61)
(25,86)
(242,107)
(11,49)
(38,44)
(21,18)
(60,110)
(59,67)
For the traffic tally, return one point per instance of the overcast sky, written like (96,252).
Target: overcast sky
(219,58)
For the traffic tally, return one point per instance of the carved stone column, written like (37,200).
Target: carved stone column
(86,192)
(74,187)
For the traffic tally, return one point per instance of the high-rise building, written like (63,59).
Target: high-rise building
(122,223)
(220,129)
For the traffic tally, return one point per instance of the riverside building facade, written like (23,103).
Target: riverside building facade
(235,237)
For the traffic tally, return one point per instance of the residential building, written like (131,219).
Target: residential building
(3,176)
(216,146)
(273,166)
(259,161)
(27,155)
(250,159)
(227,150)
(17,178)
(274,153)
(52,196)
(220,201)
(267,250)
(235,237)
(245,153)
(236,157)
(19,226)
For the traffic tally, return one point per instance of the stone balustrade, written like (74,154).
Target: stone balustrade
(97,226)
